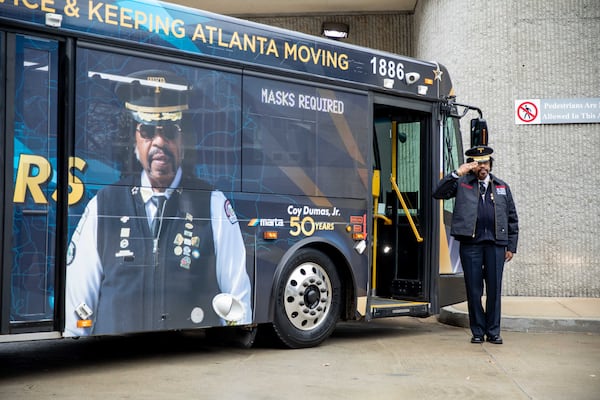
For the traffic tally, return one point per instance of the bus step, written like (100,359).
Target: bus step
(384,307)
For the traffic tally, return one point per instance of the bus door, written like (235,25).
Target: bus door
(29,183)
(400,281)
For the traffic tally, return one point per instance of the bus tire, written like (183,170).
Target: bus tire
(307,299)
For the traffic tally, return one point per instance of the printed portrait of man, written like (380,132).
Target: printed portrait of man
(159,249)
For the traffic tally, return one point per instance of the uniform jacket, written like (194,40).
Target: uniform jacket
(145,286)
(464,218)
(122,279)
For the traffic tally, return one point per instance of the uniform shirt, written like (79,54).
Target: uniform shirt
(486,218)
(85,270)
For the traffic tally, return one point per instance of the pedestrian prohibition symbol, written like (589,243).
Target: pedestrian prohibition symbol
(527,111)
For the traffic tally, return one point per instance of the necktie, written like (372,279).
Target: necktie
(481,188)
(159,202)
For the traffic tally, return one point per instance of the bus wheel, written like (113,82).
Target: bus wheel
(308,300)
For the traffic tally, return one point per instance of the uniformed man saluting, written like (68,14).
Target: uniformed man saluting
(153,251)
(486,224)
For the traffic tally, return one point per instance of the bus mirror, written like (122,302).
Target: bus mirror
(479,132)
(375,186)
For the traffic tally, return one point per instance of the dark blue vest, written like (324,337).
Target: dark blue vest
(486,218)
(143,289)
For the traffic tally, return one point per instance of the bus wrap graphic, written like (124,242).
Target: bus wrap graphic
(190,170)
(201,33)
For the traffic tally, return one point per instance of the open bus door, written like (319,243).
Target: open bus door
(401,279)
(30,146)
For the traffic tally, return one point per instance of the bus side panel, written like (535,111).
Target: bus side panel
(297,222)
(298,141)
(120,277)
(33,130)
(305,151)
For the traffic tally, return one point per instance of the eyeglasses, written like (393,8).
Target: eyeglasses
(168,132)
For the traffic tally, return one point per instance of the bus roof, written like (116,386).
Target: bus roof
(192,31)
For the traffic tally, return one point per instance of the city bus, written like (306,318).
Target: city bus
(289,176)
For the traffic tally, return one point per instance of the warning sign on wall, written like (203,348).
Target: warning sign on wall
(527,111)
(557,111)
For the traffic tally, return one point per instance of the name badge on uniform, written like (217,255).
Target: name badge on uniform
(501,190)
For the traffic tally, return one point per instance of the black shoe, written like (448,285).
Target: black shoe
(495,339)
(477,339)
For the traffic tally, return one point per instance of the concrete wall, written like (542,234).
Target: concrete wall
(501,51)
(497,52)
(397,27)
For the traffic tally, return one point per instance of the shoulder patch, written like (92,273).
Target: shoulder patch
(230,213)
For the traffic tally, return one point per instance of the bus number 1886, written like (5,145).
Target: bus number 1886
(387,68)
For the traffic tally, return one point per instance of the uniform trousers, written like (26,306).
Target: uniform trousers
(483,262)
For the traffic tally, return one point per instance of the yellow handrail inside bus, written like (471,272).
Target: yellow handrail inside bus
(375,187)
(395,186)
(405,208)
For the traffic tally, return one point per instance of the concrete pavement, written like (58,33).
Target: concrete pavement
(387,359)
(537,314)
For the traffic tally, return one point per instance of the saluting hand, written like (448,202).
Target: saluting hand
(466,168)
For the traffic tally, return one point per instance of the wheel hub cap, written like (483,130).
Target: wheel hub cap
(307,296)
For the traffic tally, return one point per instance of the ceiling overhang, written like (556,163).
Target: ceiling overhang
(287,7)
